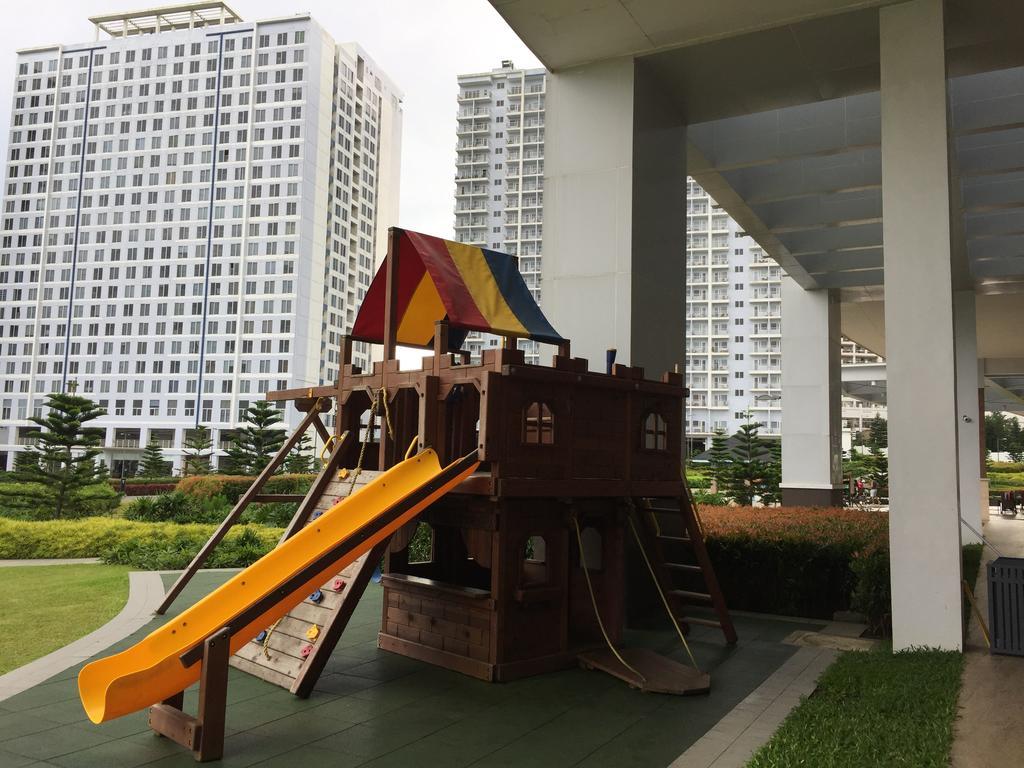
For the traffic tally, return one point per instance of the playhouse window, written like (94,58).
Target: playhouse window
(655,432)
(538,424)
(535,562)
(421,545)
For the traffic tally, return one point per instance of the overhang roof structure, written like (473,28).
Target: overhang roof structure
(791,147)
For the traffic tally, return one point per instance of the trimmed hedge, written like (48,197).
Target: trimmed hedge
(231,487)
(150,546)
(795,561)
(34,501)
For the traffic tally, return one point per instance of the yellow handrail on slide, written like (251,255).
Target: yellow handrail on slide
(151,671)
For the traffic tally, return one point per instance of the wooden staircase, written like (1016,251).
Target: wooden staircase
(670,533)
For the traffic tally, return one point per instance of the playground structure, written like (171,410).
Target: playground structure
(562,486)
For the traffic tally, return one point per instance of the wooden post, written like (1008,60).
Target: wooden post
(565,349)
(440,344)
(344,360)
(203,734)
(390,330)
(508,342)
(236,512)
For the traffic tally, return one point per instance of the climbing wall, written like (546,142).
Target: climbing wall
(292,653)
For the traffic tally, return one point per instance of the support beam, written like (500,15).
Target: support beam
(615,198)
(968,436)
(811,398)
(924,529)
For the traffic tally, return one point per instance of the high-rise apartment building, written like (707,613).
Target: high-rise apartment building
(193,209)
(499,180)
(733,324)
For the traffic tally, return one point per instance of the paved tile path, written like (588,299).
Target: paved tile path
(989,731)
(377,709)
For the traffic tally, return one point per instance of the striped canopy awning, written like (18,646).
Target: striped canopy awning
(476,289)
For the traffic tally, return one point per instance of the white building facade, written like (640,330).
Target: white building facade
(190,219)
(499,180)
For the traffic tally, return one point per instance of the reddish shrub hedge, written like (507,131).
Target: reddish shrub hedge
(797,561)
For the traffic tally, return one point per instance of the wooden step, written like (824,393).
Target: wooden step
(687,594)
(714,623)
(684,567)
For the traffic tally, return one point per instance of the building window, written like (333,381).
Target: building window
(655,432)
(538,424)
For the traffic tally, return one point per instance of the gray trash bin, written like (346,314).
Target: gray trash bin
(1006,605)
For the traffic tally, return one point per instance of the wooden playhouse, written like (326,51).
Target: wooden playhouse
(525,570)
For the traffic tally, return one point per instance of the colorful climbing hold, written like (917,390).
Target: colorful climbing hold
(338,585)
(261,636)
(306,650)
(315,515)
(313,632)
(317,597)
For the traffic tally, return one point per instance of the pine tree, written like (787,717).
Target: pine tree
(153,463)
(768,488)
(748,463)
(197,452)
(25,462)
(66,452)
(235,460)
(255,444)
(878,433)
(300,460)
(720,464)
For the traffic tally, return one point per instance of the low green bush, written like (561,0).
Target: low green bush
(277,514)
(150,546)
(177,507)
(34,501)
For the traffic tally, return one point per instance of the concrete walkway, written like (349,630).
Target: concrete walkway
(989,732)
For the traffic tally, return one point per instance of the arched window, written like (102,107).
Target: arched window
(655,432)
(538,424)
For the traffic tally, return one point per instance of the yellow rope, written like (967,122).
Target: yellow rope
(593,602)
(661,593)
(266,639)
(381,394)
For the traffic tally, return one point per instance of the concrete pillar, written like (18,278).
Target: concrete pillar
(924,530)
(968,436)
(614,267)
(812,472)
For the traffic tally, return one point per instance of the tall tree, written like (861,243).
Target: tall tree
(66,451)
(878,433)
(236,460)
(197,452)
(255,444)
(720,461)
(748,454)
(300,459)
(995,431)
(153,463)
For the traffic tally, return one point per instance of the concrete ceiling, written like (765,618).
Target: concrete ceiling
(568,33)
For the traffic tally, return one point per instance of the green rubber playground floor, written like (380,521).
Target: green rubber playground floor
(373,708)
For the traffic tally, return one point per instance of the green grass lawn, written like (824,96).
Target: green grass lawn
(48,606)
(872,708)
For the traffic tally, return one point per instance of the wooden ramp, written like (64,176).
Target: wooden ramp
(293,653)
(657,674)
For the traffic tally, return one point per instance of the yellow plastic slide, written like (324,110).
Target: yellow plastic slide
(153,670)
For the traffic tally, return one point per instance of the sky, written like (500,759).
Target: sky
(423,45)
